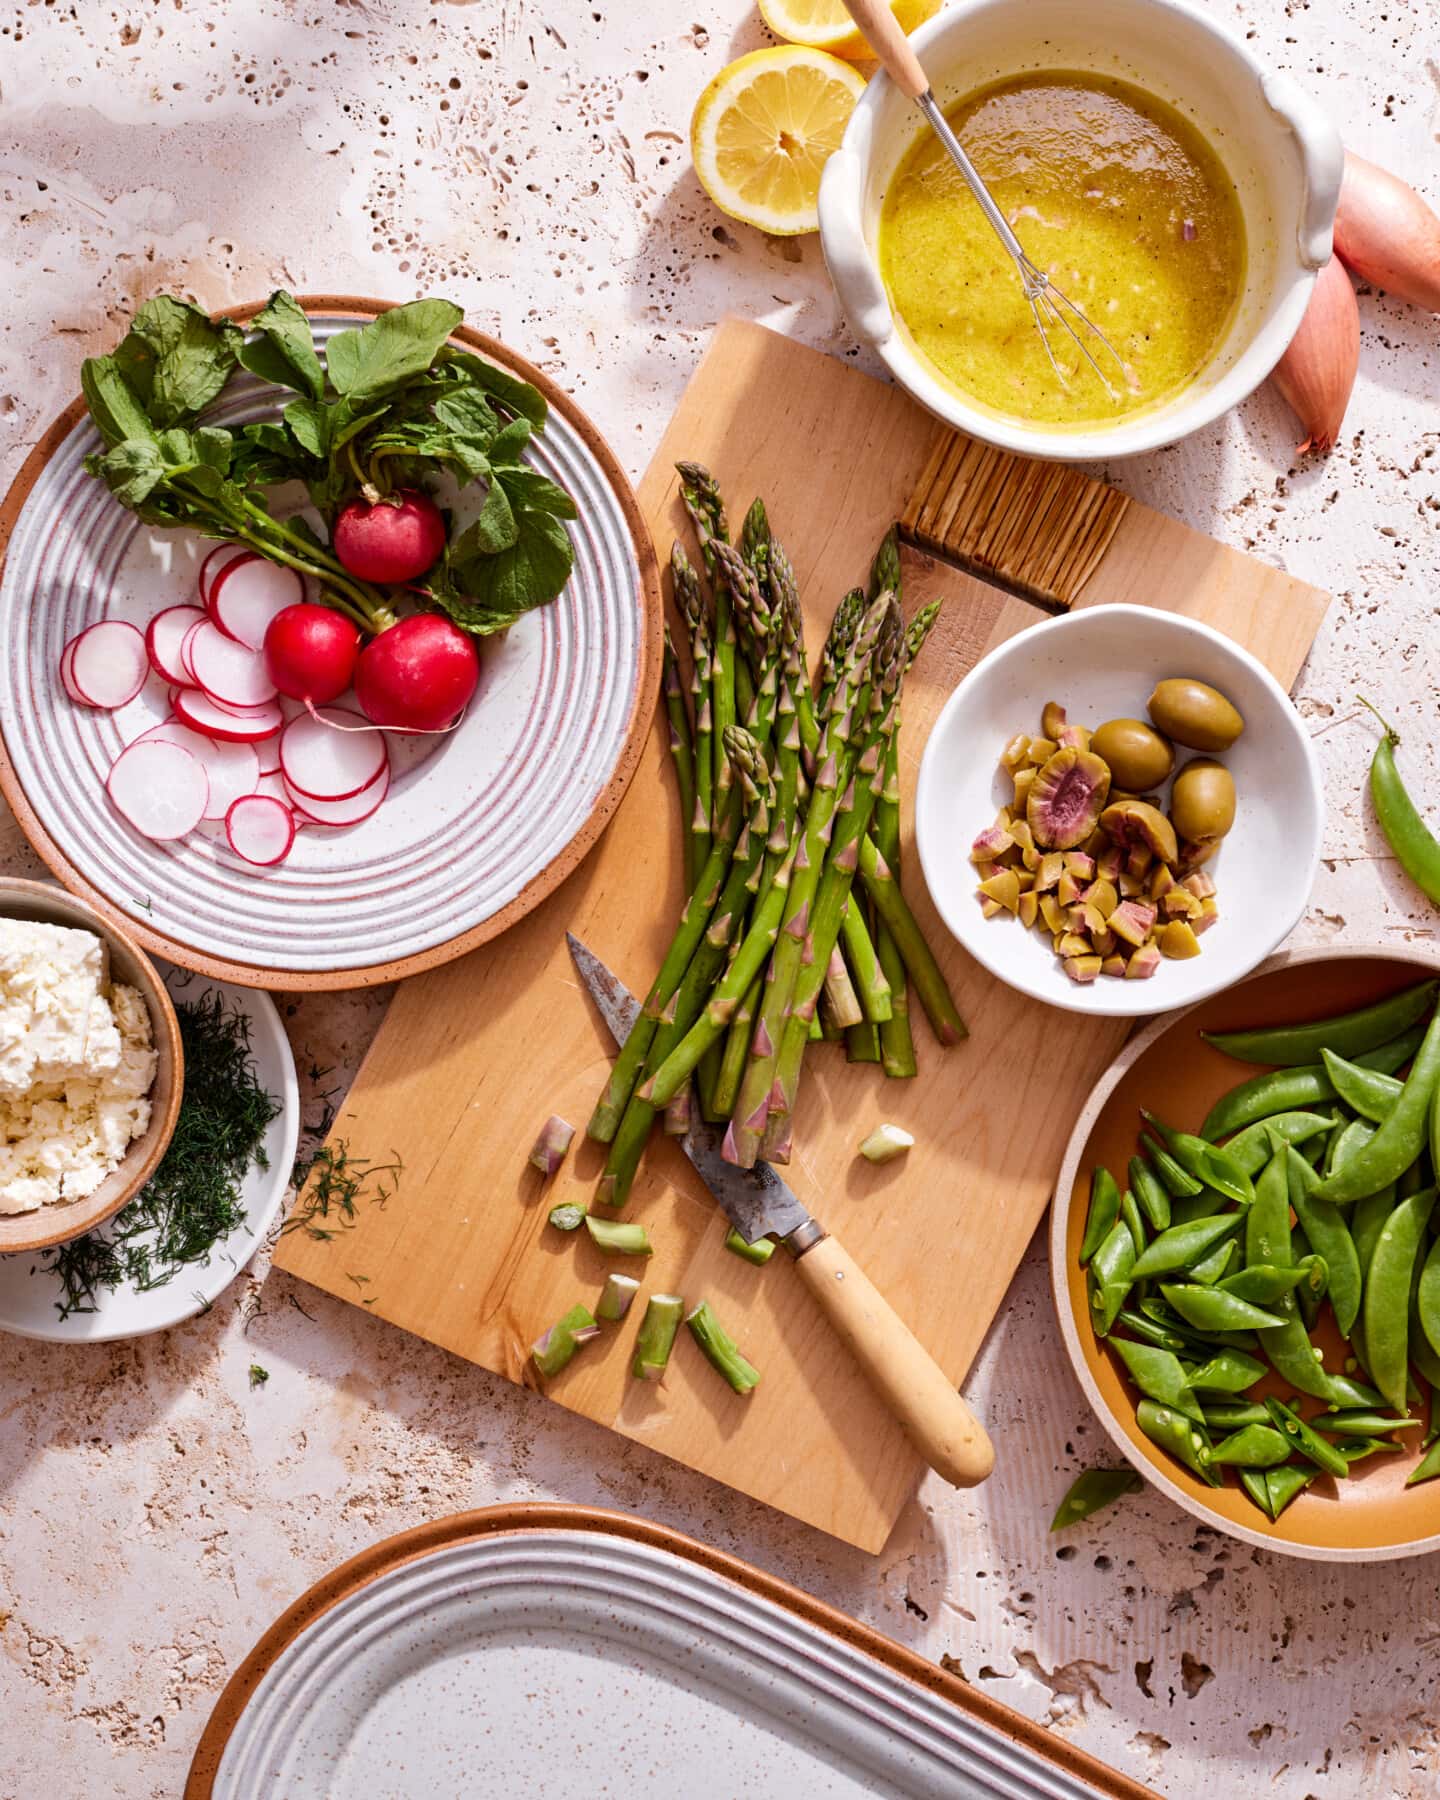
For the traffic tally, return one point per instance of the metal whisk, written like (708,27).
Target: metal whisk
(1049,306)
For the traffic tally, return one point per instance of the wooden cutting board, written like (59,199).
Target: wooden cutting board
(473,1057)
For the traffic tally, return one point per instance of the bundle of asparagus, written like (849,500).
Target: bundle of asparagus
(776,945)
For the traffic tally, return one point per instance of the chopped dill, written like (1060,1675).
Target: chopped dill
(193,1200)
(258,1376)
(332,1181)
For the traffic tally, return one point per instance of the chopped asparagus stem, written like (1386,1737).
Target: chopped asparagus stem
(551,1145)
(840,997)
(553,1350)
(621,1237)
(663,1313)
(614,1301)
(758,1253)
(721,1348)
(678,1113)
(885,1143)
(567,1217)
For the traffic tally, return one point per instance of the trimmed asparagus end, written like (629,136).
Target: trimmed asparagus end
(721,1348)
(567,1217)
(551,1145)
(758,1253)
(614,1301)
(678,1113)
(663,1313)
(552,1351)
(885,1143)
(621,1237)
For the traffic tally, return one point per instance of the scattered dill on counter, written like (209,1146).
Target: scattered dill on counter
(331,1183)
(193,1200)
(258,1375)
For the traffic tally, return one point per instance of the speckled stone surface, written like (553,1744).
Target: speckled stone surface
(530,159)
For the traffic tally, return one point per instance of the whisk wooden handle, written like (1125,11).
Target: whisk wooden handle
(881,31)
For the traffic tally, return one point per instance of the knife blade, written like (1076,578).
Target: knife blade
(756,1201)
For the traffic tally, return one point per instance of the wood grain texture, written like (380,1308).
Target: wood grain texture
(473,1057)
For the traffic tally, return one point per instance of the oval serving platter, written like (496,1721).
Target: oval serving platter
(478,827)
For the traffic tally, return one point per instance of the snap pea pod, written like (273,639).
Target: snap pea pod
(1177,1180)
(1348,1137)
(1309,1443)
(1400,1139)
(1356,1421)
(1306,1297)
(1229,1372)
(1203,1205)
(1090,1492)
(1104,1211)
(1367,1221)
(1357,1449)
(1427,1468)
(1420,1350)
(1349,1034)
(1386,1310)
(1329,1236)
(1303,1086)
(1363,1090)
(1296,1360)
(1267,1222)
(1151,1192)
(1204,1163)
(1187,1442)
(1253,1482)
(1285,1483)
(1220,1261)
(1150,1333)
(1164,1314)
(1262,1283)
(1230,1415)
(1251,1147)
(1428,1296)
(1400,819)
(1346,1391)
(1158,1375)
(1212,1309)
(1111,1277)
(1253,1447)
(1134,1224)
(1183,1245)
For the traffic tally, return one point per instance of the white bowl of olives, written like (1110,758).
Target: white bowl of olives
(1119,812)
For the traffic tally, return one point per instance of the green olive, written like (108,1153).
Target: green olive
(1202,801)
(1193,713)
(1139,758)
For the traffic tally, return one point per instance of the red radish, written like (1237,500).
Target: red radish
(310,653)
(247,594)
(392,539)
(418,675)
(324,755)
(228,671)
(161,789)
(108,664)
(338,813)
(164,637)
(273,784)
(199,710)
(216,562)
(232,769)
(260,829)
(67,676)
(185,643)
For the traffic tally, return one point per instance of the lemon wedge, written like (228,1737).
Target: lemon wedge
(762,130)
(825,24)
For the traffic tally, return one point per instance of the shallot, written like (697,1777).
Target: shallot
(1387,234)
(1316,374)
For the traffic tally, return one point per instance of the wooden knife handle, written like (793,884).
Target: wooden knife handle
(903,1372)
(881,31)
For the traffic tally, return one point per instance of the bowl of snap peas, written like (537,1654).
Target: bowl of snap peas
(1245,1254)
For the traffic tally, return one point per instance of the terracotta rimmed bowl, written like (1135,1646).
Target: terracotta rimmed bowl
(477,828)
(46,904)
(1369,1517)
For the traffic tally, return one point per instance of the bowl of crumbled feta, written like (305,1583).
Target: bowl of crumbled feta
(90,1067)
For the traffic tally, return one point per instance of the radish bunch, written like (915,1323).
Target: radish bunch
(228,754)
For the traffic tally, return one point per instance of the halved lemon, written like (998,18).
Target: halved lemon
(762,130)
(825,24)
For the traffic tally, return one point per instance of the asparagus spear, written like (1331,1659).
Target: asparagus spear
(920,963)
(653,1342)
(838,993)
(553,1349)
(615,1298)
(758,1253)
(548,1151)
(567,1216)
(621,1237)
(869,981)
(701,496)
(721,1348)
(692,608)
(737,1049)
(682,753)
(843,627)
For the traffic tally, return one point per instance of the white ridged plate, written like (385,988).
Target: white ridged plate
(472,822)
(551,1662)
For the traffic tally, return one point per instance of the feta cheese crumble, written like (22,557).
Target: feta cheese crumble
(77,1061)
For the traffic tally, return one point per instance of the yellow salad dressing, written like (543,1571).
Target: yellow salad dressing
(1115,195)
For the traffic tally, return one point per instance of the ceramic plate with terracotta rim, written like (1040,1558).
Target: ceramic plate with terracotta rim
(477,828)
(492,1651)
(1166,1068)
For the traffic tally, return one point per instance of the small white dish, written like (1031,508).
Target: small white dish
(1101,663)
(29,1292)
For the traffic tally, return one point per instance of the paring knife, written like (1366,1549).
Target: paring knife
(759,1204)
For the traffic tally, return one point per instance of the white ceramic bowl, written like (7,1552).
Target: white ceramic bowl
(1101,663)
(1280,149)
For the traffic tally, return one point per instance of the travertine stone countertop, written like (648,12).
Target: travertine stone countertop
(529,159)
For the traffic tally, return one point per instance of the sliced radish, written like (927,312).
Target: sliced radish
(160,788)
(233,769)
(197,709)
(260,829)
(215,565)
(274,786)
(247,594)
(108,664)
(188,673)
(164,637)
(67,676)
(228,671)
(330,754)
(349,811)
